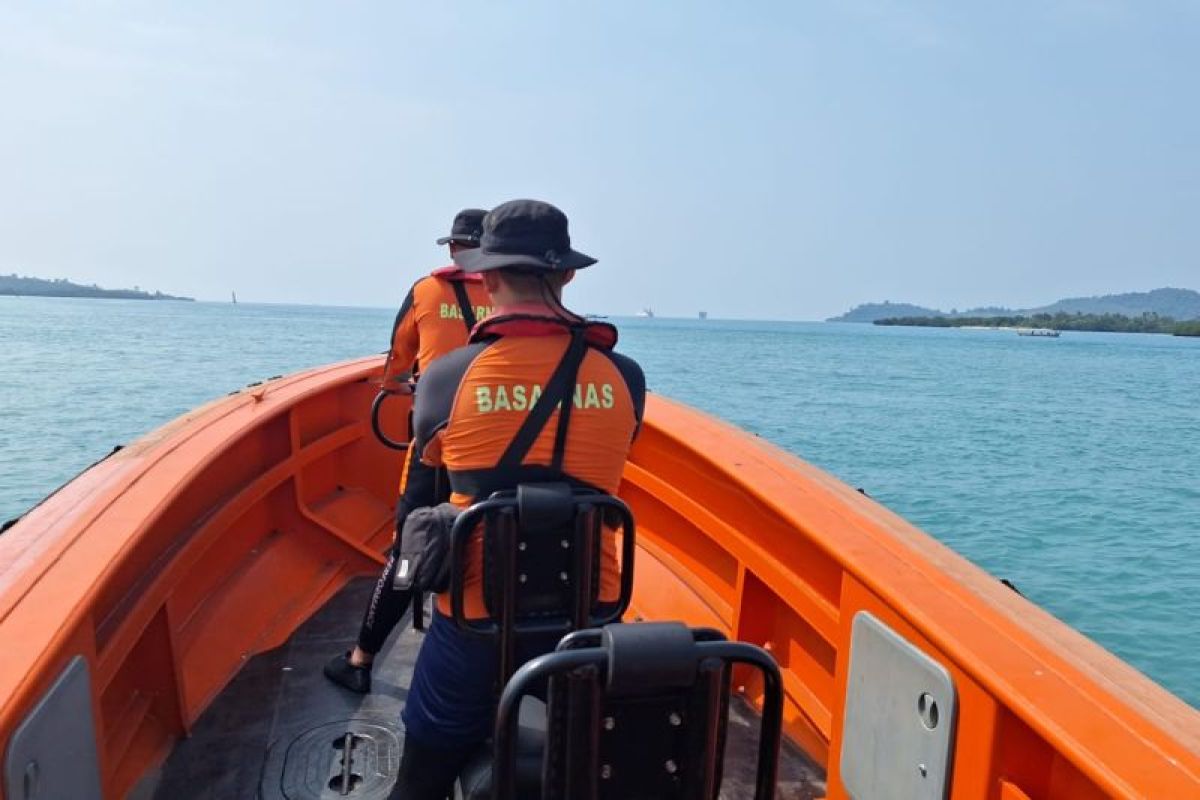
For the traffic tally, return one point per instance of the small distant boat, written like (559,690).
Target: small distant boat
(1047,332)
(234,297)
(646,312)
(703,315)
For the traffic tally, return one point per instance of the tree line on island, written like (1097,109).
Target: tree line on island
(1167,310)
(1108,323)
(19,286)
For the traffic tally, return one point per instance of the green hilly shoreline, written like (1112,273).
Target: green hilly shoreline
(1105,323)
(1175,304)
(20,286)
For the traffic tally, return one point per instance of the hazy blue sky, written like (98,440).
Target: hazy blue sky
(782,160)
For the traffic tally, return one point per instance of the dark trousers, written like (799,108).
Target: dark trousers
(451,705)
(428,773)
(422,487)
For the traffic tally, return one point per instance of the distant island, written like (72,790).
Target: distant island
(1175,304)
(15,285)
(1061,321)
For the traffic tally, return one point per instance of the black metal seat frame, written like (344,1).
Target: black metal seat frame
(515,553)
(585,664)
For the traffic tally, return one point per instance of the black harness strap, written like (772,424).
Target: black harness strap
(559,389)
(564,410)
(464,304)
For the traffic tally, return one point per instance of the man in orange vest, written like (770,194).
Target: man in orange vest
(440,309)
(478,415)
(435,318)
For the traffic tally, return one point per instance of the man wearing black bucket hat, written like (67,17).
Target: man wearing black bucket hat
(467,416)
(436,318)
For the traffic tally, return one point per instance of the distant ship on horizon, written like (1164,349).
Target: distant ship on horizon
(646,312)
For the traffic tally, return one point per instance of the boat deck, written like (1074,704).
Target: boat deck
(278,730)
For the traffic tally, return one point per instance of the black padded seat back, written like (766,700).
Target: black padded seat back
(542,546)
(648,658)
(645,745)
(620,731)
(557,533)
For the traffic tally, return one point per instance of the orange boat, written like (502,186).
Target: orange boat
(159,615)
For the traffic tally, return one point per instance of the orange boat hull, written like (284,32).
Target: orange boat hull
(170,563)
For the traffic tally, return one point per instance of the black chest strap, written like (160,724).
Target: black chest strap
(559,389)
(464,304)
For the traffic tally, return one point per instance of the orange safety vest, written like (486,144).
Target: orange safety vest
(436,317)
(472,404)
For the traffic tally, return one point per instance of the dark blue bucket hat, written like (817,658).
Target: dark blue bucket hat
(524,234)
(467,228)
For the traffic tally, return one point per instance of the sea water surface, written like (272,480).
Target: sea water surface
(1070,466)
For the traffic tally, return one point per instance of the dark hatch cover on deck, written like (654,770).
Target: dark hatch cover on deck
(279,730)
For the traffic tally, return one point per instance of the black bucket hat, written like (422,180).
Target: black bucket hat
(525,234)
(467,227)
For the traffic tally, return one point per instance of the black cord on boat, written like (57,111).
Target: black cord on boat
(377,429)
(15,520)
(1012,586)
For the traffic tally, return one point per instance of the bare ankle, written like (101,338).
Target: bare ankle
(360,658)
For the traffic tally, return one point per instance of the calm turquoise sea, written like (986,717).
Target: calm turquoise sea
(1070,466)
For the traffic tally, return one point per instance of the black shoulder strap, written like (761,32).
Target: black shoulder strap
(560,388)
(464,304)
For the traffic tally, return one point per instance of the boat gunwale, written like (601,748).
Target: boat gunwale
(1154,709)
(72,517)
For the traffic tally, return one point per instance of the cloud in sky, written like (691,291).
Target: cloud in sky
(777,160)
